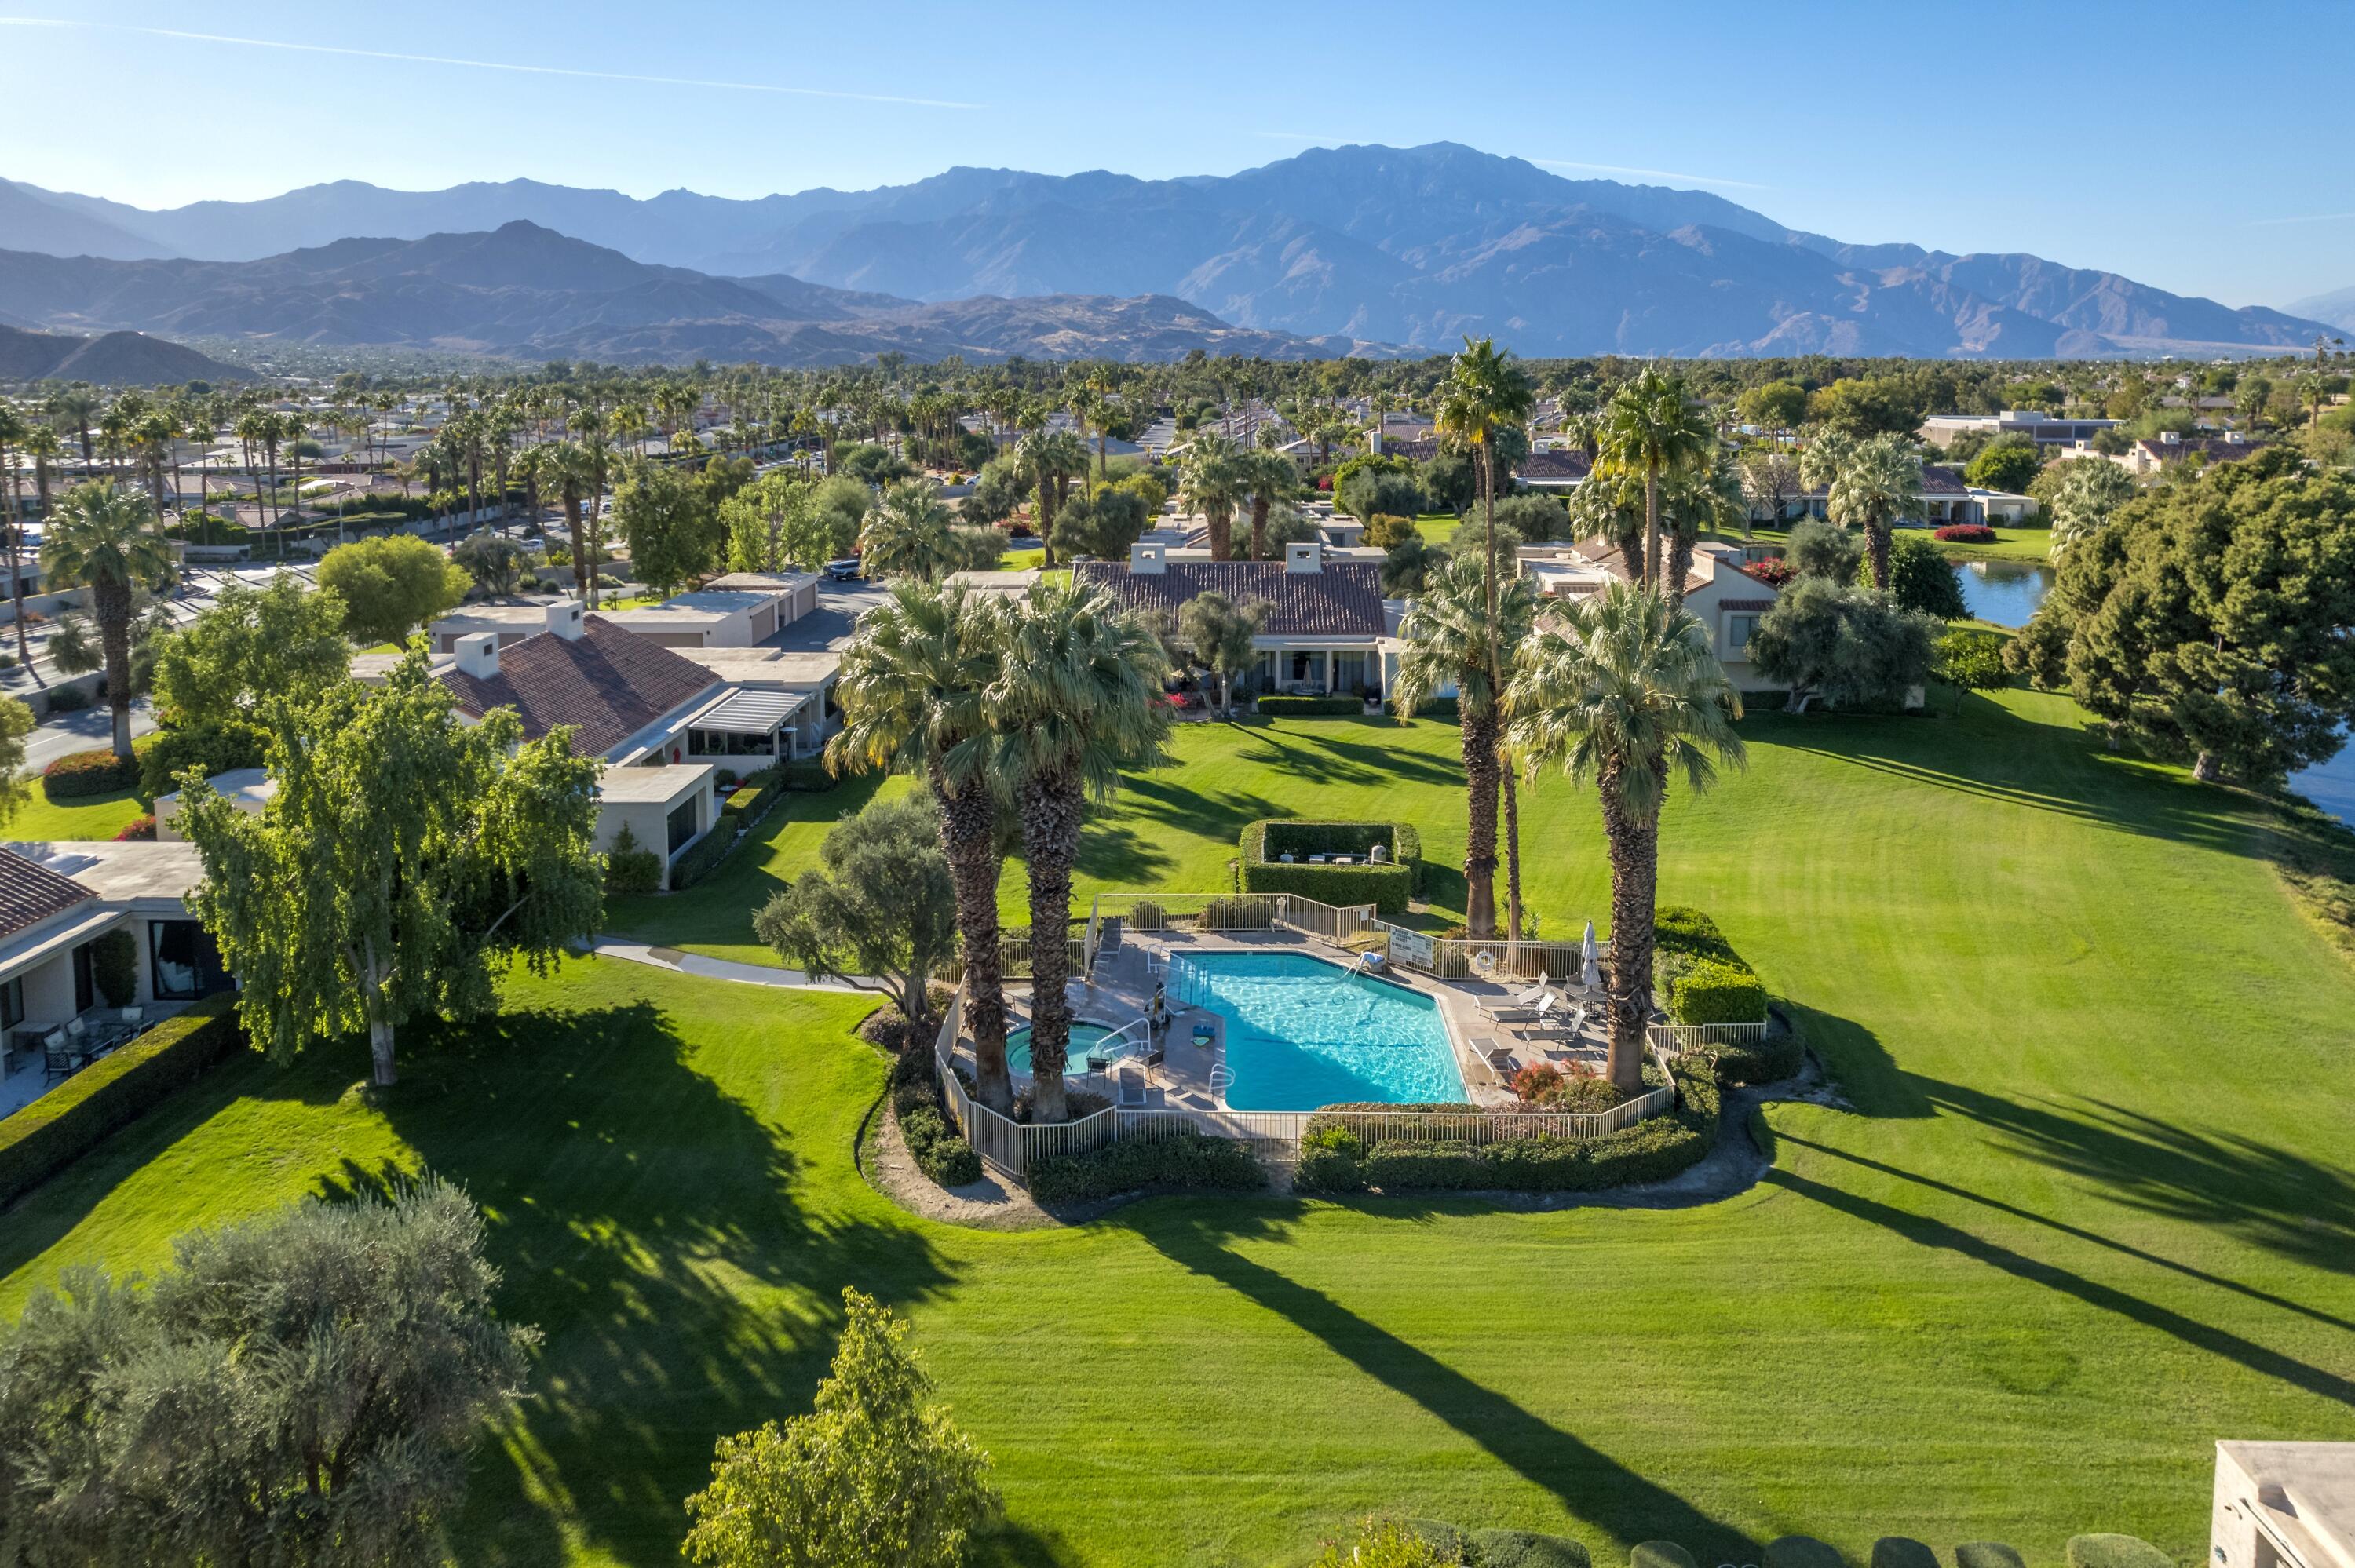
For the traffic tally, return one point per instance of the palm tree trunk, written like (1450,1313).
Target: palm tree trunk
(1633,843)
(1050,840)
(1876,546)
(1511,788)
(1259,527)
(1480,823)
(1651,525)
(969,839)
(1679,563)
(572,527)
(112,604)
(1047,518)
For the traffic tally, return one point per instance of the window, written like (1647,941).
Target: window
(726,743)
(12,1003)
(186,963)
(85,983)
(682,823)
(1738,629)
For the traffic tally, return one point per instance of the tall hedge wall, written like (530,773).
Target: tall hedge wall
(1387,887)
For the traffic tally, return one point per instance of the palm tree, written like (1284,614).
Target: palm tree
(1213,482)
(100,539)
(568,467)
(1452,638)
(75,405)
(1650,427)
(1270,475)
(906,534)
(1626,694)
(911,693)
(1704,498)
(1053,458)
(1881,481)
(1073,703)
(15,430)
(1826,453)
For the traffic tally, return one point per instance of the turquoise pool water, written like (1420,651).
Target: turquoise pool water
(1075,1057)
(1302,1033)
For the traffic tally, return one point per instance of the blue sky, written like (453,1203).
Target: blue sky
(2202,149)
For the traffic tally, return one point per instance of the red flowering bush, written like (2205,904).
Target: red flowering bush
(1537,1083)
(1774,571)
(139,830)
(1967,534)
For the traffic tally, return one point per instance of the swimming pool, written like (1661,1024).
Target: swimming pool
(1075,1055)
(1302,1033)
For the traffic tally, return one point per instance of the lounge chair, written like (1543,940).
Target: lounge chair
(1529,1006)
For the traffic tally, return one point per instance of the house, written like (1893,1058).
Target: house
(61,906)
(2145,458)
(1326,627)
(1556,471)
(732,611)
(2044,429)
(1719,590)
(1945,498)
(2282,1505)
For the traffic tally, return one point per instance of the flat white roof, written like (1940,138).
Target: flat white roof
(651,786)
(122,873)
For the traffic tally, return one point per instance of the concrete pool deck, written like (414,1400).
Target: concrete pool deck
(1192,1077)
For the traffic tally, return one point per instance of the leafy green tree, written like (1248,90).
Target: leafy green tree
(1774,406)
(1841,643)
(1534,516)
(495,562)
(1074,701)
(1969,659)
(15,786)
(1864,407)
(304,1387)
(1054,458)
(1920,579)
(1217,633)
(1880,483)
(870,465)
(882,903)
(403,859)
(1369,493)
(390,586)
(1824,550)
(672,526)
(876,1476)
(2010,463)
(777,524)
(1103,523)
(100,539)
(913,697)
(1407,566)
(1626,693)
(1770,483)
(253,643)
(1001,488)
(2208,619)
(1450,637)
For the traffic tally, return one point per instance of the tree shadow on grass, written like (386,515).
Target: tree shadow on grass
(1940,1235)
(653,1226)
(1179,809)
(1589,1484)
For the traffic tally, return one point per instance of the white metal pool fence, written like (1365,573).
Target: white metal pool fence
(1013,1146)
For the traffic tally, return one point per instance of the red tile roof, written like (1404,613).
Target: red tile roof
(1345,600)
(608,683)
(30,893)
(1555,464)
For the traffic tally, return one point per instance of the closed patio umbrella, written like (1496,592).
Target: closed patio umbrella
(1589,968)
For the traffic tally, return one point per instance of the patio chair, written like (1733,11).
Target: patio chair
(1529,1006)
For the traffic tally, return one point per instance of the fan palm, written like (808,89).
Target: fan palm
(568,466)
(100,539)
(1704,498)
(1270,476)
(1450,640)
(1073,703)
(1214,482)
(14,429)
(1626,694)
(913,697)
(1052,459)
(906,534)
(1826,453)
(1651,428)
(1880,483)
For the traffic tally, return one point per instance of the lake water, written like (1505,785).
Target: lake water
(2006,593)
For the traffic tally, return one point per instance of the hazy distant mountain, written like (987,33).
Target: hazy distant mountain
(1413,247)
(530,292)
(2335,309)
(111,359)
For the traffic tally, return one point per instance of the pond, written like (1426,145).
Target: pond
(2006,593)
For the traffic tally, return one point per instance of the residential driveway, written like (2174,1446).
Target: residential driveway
(830,625)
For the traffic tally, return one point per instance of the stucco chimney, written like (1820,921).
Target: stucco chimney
(478,655)
(1304,558)
(564,618)
(1148,560)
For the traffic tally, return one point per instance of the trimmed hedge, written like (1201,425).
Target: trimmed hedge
(55,1130)
(629,867)
(1964,534)
(807,776)
(1714,991)
(945,1159)
(2105,1551)
(1779,1056)
(1387,887)
(703,855)
(95,772)
(1660,1554)
(1988,1554)
(1529,1549)
(1801,1552)
(1213,1164)
(1902,1552)
(1310,707)
(114,966)
(746,804)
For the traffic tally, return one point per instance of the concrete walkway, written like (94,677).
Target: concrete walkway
(671,958)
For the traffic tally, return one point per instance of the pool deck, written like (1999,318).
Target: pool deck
(1191,1075)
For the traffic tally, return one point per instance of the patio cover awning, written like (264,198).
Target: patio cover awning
(752,711)
(51,941)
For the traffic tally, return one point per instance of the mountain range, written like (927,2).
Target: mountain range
(1365,245)
(112,359)
(2334,309)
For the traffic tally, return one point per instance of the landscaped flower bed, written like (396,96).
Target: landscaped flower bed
(1966,534)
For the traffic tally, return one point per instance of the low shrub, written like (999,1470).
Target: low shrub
(1713,992)
(1310,707)
(115,967)
(1988,1554)
(49,1134)
(807,776)
(68,699)
(629,867)
(1434,707)
(77,774)
(1801,1552)
(1966,534)
(1449,1541)
(1529,1549)
(1660,1554)
(703,857)
(1779,1054)
(1236,914)
(1192,1162)
(1536,1081)
(947,1160)
(137,830)
(1773,571)
(2104,1551)
(746,805)
(887,1026)
(1901,1552)
(1145,914)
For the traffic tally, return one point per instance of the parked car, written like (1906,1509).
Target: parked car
(842,571)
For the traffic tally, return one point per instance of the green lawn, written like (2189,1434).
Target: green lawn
(2010,543)
(2091,1210)
(1438,527)
(1022,560)
(86,817)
